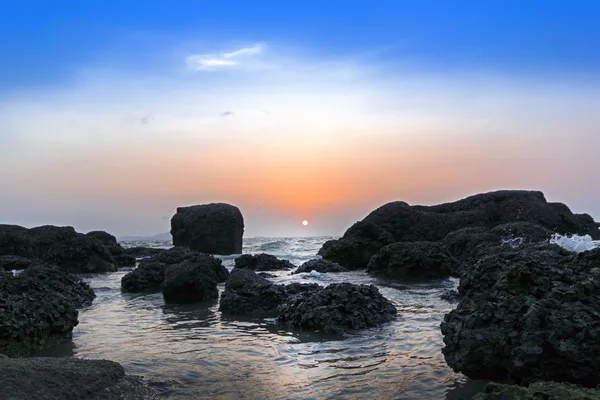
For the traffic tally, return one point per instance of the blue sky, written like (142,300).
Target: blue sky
(113,113)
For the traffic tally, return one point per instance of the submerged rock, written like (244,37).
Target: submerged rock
(416,260)
(321,266)
(38,308)
(69,378)
(336,308)
(537,391)
(262,262)
(526,316)
(192,280)
(215,228)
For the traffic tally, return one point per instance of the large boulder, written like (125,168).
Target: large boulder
(192,280)
(407,223)
(150,273)
(528,315)
(69,378)
(337,308)
(38,308)
(409,261)
(121,258)
(215,228)
(537,391)
(321,266)
(81,254)
(262,262)
(248,294)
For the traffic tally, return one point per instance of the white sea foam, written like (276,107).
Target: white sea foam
(312,274)
(575,243)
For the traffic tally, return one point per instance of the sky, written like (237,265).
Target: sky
(114,113)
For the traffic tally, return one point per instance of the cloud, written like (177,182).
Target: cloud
(200,62)
(228,113)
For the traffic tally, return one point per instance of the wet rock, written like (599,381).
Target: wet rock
(121,258)
(215,228)
(266,275)
(451,296)
(69,378)
(38,308)
(416,260)
(360,242)
(150,273)
(14,241)
(125,260)
(407,223)
(248,294)
(321,266)
(336,308)
(103,237)
(9,263)
(537,391)
(192,280)
(81,254)
(262,262)
(527,316)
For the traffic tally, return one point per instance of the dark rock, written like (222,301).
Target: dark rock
(248,294)
(262,262)
(321,266)
(38,308)
(266,275)
(14,241)
(150,273)
(357,246)
(538,391)
(215,228)
(417,260)
(81,254)
(9,263)
(46,238)
(525,316)
(103,237)
(139,252)
(451,296)
(432,223)
(69,378)
(125,260)
(336,308)
(192,280)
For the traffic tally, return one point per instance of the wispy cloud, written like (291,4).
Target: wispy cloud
(200,62)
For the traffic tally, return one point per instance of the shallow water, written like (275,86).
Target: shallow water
(198,353)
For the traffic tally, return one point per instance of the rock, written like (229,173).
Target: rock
(321,266)
(357,246)
(103,237)
(451,296)
(139,252)
(336,308)
(416,260)
(266,275)
(125,260)
(121,258)
(9,263)
(38,308)
(248,294)
(69,378)
(81,254)
(525,316)
(537,391)
(150,273)
(215,228)
(262,262)
(14,242)
(192,280)
(407,223)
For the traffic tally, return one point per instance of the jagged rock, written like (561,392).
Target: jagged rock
(336,308)
(527,315)
(9,263)
(248,294)
(150,273)
(405,223)
(538,391)
(416,260)
(321,266)
(192,280)
(103,237)
(215,228)
(262,262)
(81,255)
(451,296)
(69,378)
(38,308)
(122,259)
(125,260)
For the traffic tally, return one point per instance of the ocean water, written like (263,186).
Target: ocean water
(194,352)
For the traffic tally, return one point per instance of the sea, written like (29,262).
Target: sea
(194,352)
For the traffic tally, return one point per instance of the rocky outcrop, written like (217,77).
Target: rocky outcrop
(192,280)
(215,228)
(122,259)
(38,308)
(9,263)
(248,294)
(81,255)
(337,308)
(69,378)
(400,222)
(262,262)
(412,261)
(528,315)
(321,266)
(537,391)
(150,273)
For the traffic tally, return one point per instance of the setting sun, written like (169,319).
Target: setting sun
(305,222)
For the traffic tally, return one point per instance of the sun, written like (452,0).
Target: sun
(305,222)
